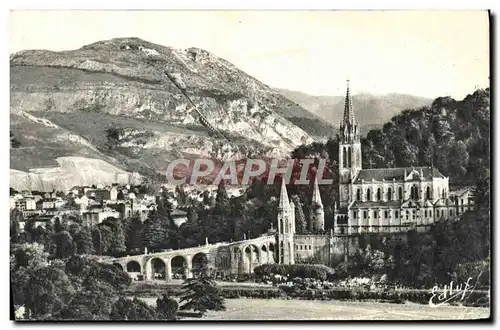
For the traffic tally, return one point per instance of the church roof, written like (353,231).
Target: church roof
(398,173)
(374,204)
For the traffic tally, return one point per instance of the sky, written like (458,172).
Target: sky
(423,53)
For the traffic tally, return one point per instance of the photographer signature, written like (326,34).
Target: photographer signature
(448,293)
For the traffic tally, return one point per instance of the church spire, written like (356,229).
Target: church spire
(348,117)
(284,203)
(316,197)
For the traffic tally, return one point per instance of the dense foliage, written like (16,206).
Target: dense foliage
(320,272)
(79,288)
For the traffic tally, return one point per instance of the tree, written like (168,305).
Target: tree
(64,245)
(131,310)
(59,226)
(75,265)
(166,307)
(116,235)
(15,230)
(29,228)
(153,235)
(460,156)
(90,303)
(220,228)
(200,293)
(300,218)
(133,234)
(180,195)
(24,259)
(83,241)
(481,190)
(110,274)
(29,255)
(48,291)
(48,239)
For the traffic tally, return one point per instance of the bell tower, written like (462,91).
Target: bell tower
(349,150)
(286,228)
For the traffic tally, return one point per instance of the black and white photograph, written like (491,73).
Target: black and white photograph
(250,165)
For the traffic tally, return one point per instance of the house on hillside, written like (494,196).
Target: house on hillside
(96,216)
(463,199)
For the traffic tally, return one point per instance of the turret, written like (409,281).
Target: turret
(317,215)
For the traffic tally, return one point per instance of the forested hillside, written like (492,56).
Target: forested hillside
(454,136)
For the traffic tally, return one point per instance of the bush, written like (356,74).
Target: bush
(167,308)
(132,310)
(475,298)
(320,272)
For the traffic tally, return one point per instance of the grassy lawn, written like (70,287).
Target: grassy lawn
(276,309)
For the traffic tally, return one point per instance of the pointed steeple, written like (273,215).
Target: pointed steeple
(284,203)
(348,117)
(316,197)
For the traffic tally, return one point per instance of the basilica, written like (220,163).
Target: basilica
(384,201)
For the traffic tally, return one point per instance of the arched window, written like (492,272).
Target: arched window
(414,192)
(379,194)
(389,194)
(344,158)
(428,193)
(400,192)
(358,194)
(443,196)
(368,194)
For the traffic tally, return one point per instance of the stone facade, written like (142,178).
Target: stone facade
(387,200)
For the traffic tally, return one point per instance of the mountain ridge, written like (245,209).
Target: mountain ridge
(77,95)
(371,110)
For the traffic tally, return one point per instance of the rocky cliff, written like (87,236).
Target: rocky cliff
(63,104)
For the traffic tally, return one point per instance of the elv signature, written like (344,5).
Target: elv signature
(448,293)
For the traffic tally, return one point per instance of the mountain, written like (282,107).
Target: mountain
(371,110)
(66,105)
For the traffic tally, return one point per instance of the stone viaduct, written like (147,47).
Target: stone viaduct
(235,258)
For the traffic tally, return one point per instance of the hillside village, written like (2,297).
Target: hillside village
(90,205)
